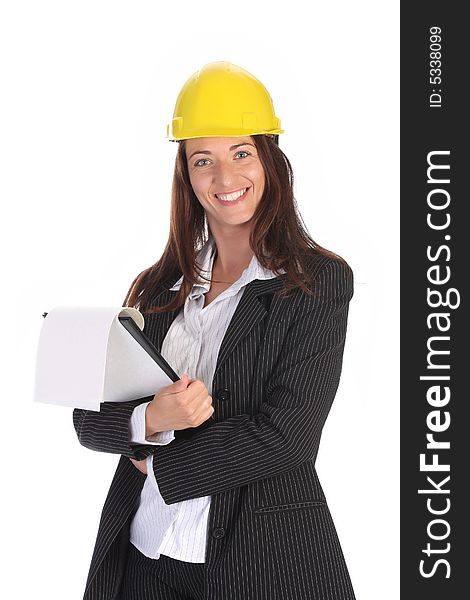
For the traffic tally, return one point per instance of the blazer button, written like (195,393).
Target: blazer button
(219,532)
(223,394)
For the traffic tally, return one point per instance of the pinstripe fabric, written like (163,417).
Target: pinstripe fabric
(162,579)
(270,532)
(191,346)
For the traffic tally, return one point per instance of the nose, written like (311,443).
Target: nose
(223,176)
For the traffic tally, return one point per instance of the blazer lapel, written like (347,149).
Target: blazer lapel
(250,310)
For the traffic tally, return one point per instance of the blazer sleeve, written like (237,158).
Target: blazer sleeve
(109,430)
(287,429)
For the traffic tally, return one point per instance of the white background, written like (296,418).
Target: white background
(87,91)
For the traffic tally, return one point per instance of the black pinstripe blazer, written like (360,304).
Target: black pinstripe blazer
(270,532)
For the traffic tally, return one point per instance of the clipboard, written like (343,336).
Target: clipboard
(140,337)
(90,355)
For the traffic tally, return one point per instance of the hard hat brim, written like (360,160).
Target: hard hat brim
(221,133)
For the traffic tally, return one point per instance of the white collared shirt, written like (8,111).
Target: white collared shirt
(191,346)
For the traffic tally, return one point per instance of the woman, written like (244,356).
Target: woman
(216,494)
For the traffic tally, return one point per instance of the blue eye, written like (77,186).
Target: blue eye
(196,164)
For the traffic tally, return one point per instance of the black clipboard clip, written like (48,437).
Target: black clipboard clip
(140,337)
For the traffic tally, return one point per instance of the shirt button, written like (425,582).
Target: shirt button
(218,533)
(223,394)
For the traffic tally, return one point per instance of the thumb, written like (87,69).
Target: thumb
(182,383)
(176,386)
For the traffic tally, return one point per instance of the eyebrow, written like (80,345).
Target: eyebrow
(231,148)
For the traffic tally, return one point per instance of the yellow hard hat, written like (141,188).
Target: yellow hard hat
(222,99)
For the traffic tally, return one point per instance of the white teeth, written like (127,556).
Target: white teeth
(231,197)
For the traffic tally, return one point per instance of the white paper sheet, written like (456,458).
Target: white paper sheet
(86,357)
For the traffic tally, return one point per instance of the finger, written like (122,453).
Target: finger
(203,410)
(172,390)
(198,402)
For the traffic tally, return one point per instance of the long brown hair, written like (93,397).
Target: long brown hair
(278,236)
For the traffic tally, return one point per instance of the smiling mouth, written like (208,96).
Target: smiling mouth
(232,196)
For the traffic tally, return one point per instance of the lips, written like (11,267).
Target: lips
(233,197)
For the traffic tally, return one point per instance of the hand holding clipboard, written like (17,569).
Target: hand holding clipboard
(90,355)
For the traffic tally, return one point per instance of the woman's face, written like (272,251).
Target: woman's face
(227,177)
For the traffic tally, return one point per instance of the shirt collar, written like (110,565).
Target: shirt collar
(205,259)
